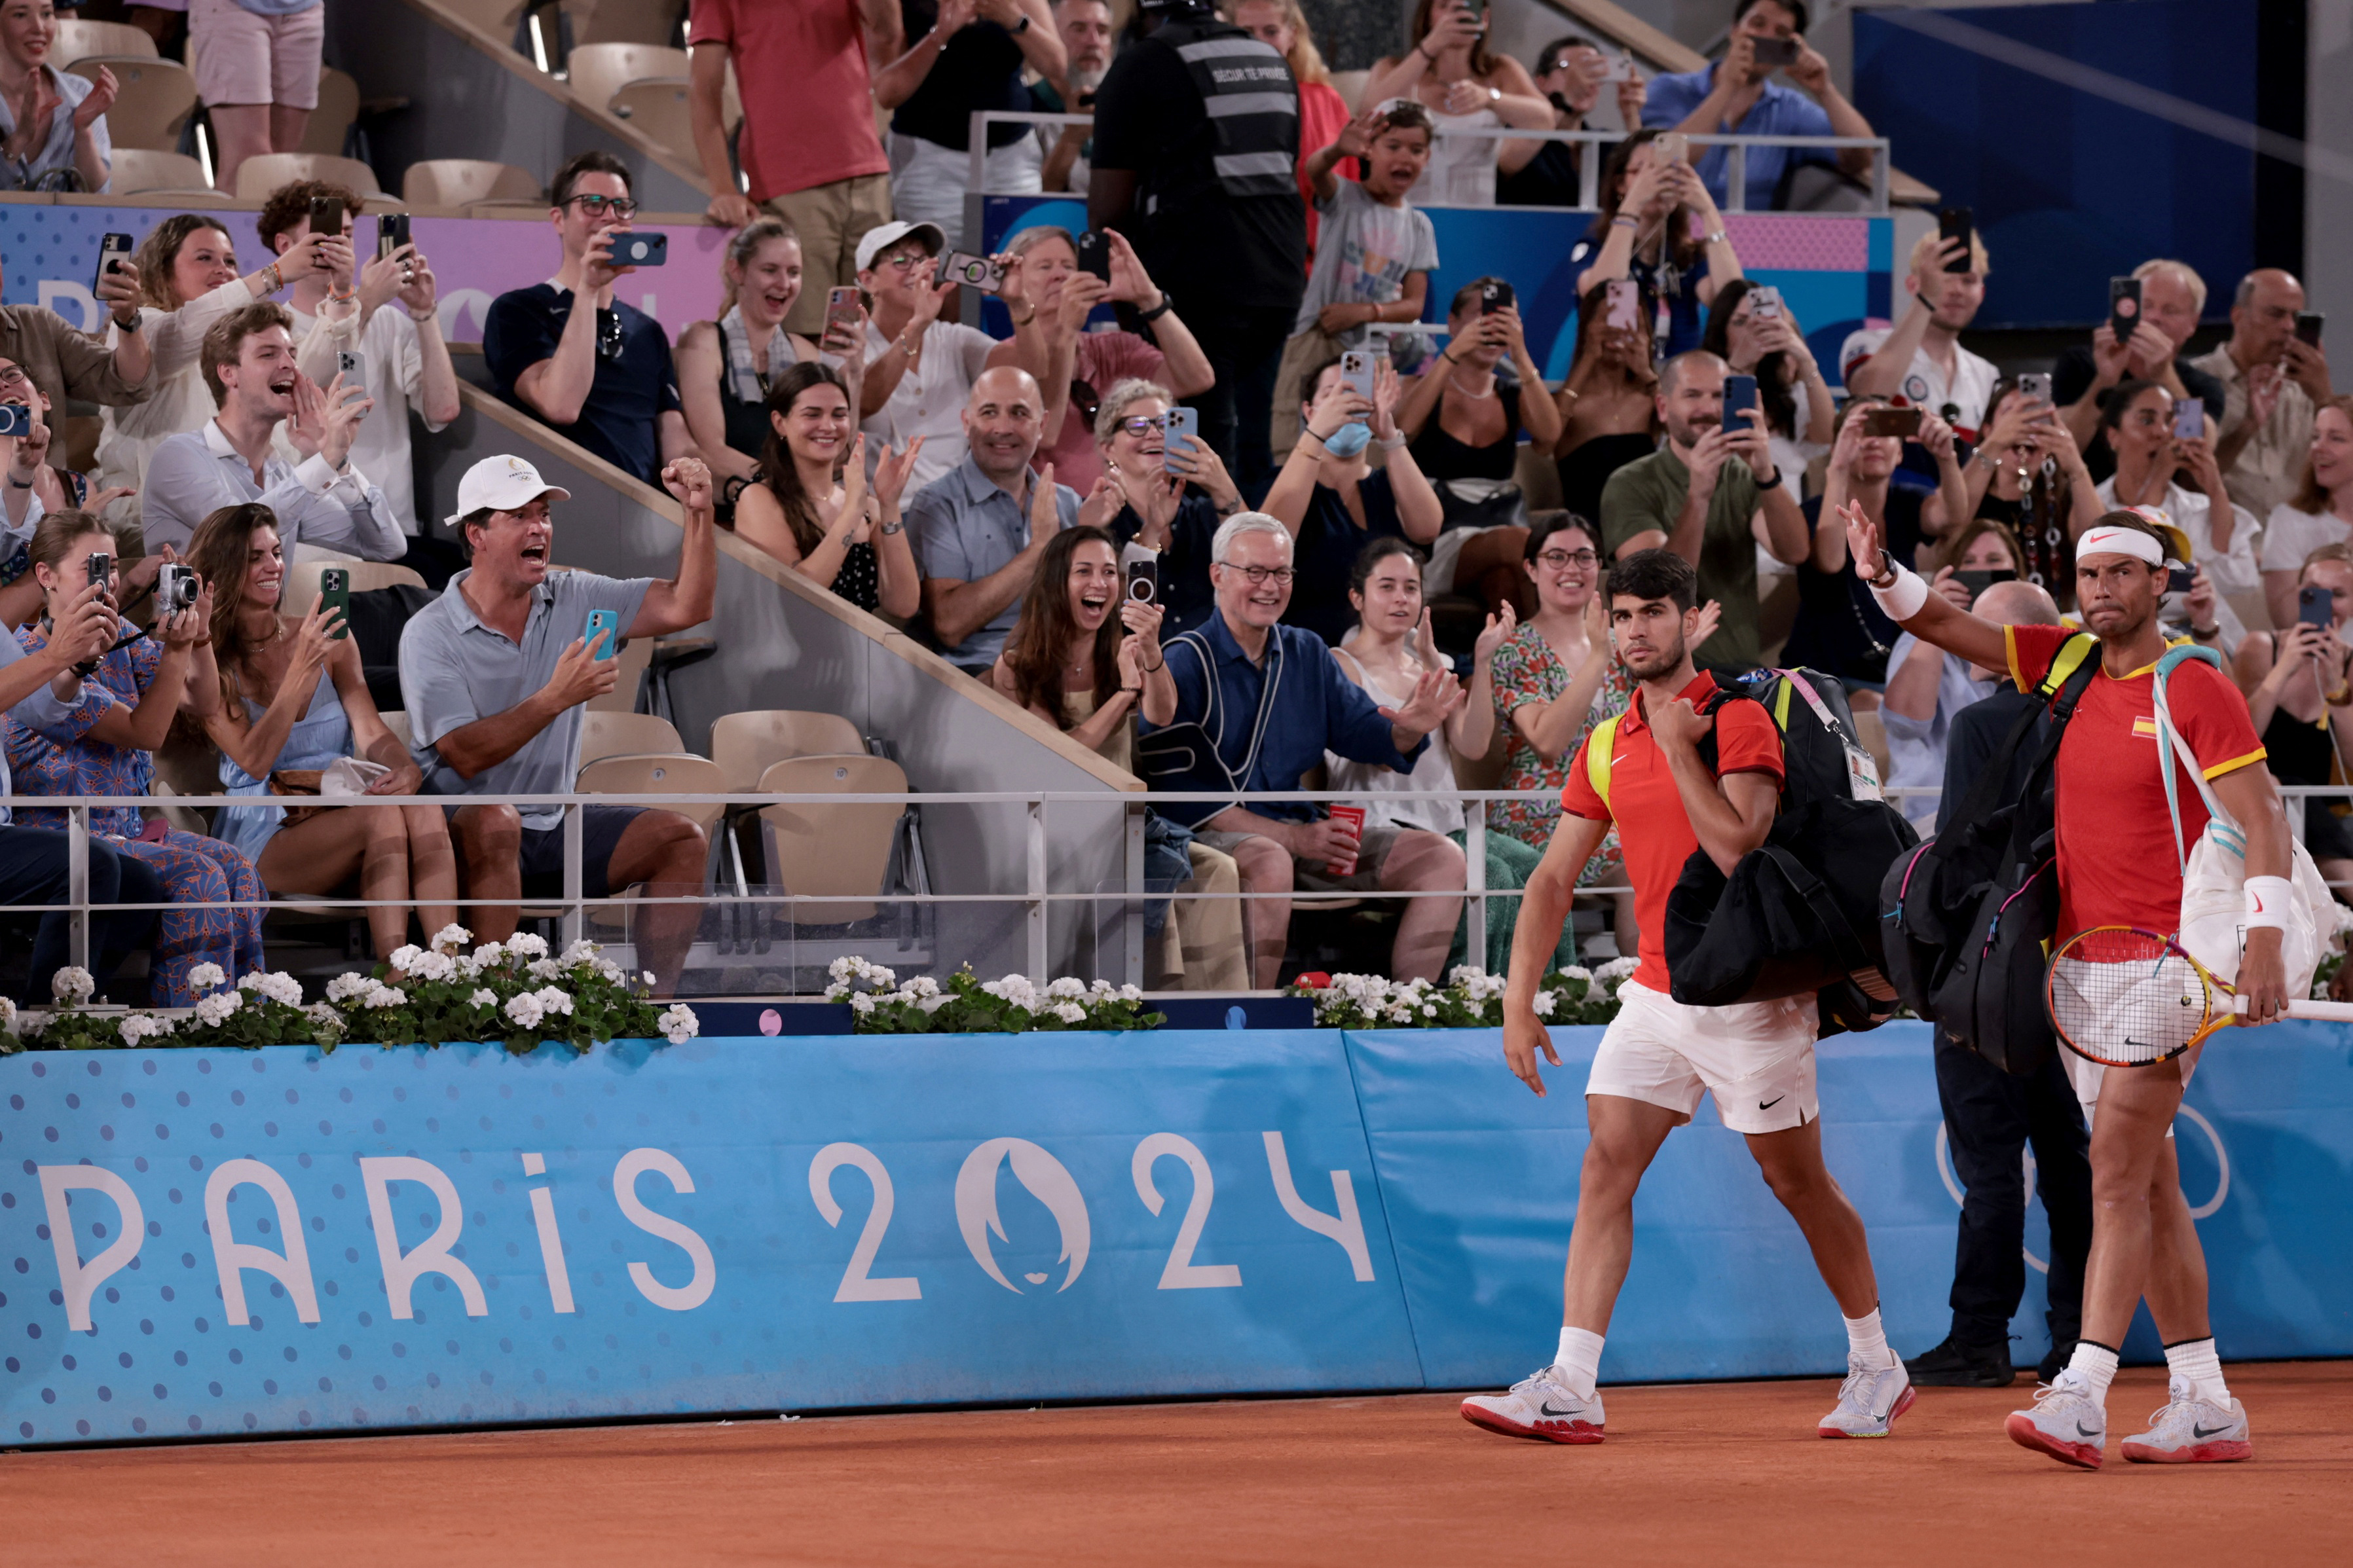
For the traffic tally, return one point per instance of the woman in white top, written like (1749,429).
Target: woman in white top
(1451,72)
(918,369)
(188,282)
(2138,419)
(2320,513)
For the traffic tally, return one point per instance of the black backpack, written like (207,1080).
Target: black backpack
(1967,916)
(1798,913)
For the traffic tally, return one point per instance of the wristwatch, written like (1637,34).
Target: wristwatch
(896,525)
(1159,311)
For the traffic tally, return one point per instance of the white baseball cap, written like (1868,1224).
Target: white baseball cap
(933,237)
(501,484)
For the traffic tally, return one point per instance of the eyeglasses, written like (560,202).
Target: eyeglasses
(621,208)
(1143,424)
(1257,574)
(901,260)
(11,375)
(1556,559)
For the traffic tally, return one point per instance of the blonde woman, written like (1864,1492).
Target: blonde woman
(1450,72)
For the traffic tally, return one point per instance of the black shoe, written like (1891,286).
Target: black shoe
(1956,1364)
(2055,1363)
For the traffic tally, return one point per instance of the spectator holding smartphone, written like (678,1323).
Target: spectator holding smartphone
(1282,26)
(2172,301)
(34,490)
(1738,96)
(1569,72)
(919,370)
(2140,423)
(2298,695)
(2028,475)
(1753,332)
(1609,403)
(2319,512)
(1462,84)
(1659,227)
(62,361)
(726,367)
(967,56)
(294,701)
(2272,381)
(1167,495)
(811,508)
(1920,358)
(53,132)
(570,351)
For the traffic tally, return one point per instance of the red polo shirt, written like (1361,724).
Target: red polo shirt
(1654,831)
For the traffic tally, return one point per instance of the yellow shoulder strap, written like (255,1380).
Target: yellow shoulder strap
(1598,747)
(2070,656)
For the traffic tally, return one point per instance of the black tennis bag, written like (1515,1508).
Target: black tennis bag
(1799,912)
(1967,917)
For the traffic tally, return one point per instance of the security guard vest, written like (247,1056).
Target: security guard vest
(1252,107)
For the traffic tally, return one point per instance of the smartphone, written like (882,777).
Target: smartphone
(2188,419)
(841,308)
(353,364)
(335,594)
(2308,325)
(1954,223)
(1676,147)
(2124,306)
(1477,10)
(2315,605)
(112,249)
(1978,581)
(1776,52)
(1494,295)
(16,419)
(2181,579)
(971,271)
(1184,424)
(391,233)
(2035,386)
(1739,397)
(1356,373)
(328,214)
(605,623)
(1094,255)
(1766,302)
(632,248)
(1625,305)
(1901,423)
(1143,578)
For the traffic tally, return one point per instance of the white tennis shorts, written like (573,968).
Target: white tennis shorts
(2086,1077)
(1755,1057)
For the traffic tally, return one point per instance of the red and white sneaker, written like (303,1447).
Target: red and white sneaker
(1537,1406)
(2066,1422)
(1870,1400)
(2191,1431)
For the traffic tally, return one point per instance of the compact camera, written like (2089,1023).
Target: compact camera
(176,589)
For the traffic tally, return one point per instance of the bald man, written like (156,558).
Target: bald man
(981,527)
(2273,380)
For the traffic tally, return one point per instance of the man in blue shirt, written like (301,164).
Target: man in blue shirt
(1737,96)
(1267,740)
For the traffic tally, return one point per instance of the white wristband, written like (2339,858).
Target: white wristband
(2267,901)
(1902,600)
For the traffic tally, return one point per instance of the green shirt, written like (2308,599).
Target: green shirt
(1647,494)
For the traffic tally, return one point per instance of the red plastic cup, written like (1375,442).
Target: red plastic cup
(1354,816)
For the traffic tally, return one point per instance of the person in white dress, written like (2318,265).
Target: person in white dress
(2319,512)
(2139,422)
(1451,72)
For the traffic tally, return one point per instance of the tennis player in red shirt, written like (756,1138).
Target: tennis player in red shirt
(2119,864)
(1659,1056)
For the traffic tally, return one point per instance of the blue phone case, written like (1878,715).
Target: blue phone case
(606,624)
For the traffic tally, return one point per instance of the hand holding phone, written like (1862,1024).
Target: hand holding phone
(1182,430)
(1356,373)
(2188,419)
(2316,606)
(1739,398)
(1094,255)
(336,599)
(1903,423)
(633,247)
(1625,305)
(606,626)
(2124,307)
(1954,224)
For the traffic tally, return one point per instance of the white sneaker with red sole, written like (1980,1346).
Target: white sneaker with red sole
(1870,1400)
(1538,1407)
(2065,1423)
(2191,1431)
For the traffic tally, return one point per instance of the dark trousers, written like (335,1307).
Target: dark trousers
(1990,1117)
(32,871)
(1244,347)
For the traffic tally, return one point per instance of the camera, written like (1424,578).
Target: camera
(176,589)
(971,272)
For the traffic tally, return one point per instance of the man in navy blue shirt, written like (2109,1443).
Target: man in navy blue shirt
(602,377)
(1269,740)
(1738,96)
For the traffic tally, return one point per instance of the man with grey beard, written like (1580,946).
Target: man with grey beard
(1086,29)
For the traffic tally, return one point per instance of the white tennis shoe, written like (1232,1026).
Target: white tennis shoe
(1538,1407)
(2191,1431)
(1870,1400)
(2065,1423)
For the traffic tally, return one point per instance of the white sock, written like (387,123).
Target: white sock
(2196,1361)
(2096,1365)
(1867,1339)
(1578,1361)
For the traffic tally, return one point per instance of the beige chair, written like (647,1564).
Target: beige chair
(597,71)
(138,170)
(330,121)
(302,589)
(154,101)
(624,21)
(79,40)
(661,108)
(836,854)
(456,181)
(658,773)
(606,735)
(636,654)
(258,176)
(746,745)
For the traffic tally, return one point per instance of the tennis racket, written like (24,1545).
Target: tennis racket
(2125,998)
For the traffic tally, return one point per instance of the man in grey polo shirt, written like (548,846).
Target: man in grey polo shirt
(494,673)
(980,528)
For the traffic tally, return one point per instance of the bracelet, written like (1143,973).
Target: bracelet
(1310,434)
(2268,900)
(1765,484)
(1571,394)
(16,484)
(427,314)
(1392,443)
(1159,311)
(1717,238)
(1023,320)
(346,294)
(277,279)
(2338,697)
(909,350)
(1621,220)
(2201,634)
(1902,599)
(1156,668)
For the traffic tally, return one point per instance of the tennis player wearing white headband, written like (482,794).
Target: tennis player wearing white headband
(2119,865)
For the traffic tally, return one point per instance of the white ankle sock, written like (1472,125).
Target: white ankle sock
(2096,1365)
(1867,1339)
(1578,1361)
(2196,1361)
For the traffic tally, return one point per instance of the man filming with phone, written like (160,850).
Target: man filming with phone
(1738,96)
(494,674)
(1921,359)
(2274,374)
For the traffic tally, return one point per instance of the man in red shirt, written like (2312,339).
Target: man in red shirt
(1645,772)
(2119,864)
(807,145)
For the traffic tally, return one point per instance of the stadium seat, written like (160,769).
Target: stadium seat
(661,108)
(746,745)
(330,123)
(600,70)
(626,21)
(636,654)
(154,101)
(141,170)
(301,588)
(79,40)
(657,772)
(837,853)
(459,182)
(606,734)
(258,176)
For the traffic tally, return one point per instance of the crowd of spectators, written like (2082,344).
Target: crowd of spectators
(1238,372)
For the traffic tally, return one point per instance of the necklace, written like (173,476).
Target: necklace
(1455,380)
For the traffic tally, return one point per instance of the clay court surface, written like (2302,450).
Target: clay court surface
(1716,1473)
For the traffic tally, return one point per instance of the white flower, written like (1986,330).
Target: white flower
(1070,1012)
(140,1026)
(1015,989)
(325,1019)
(7,1016)
(405,955)
(489,953)
(203,977)
(277,987)
(607,969)
(212,1011)
(679,1024)
(379,995)
(348,987)
(861,1002)
(450,938)
(555,999)
(923,988)
(581,951)
(1544,1003)
(524,944)
(1578,972)
(649,977)
(1131,993)
(836,991)
(483,997)
(524,1011)
(1066,987)
(544,969)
